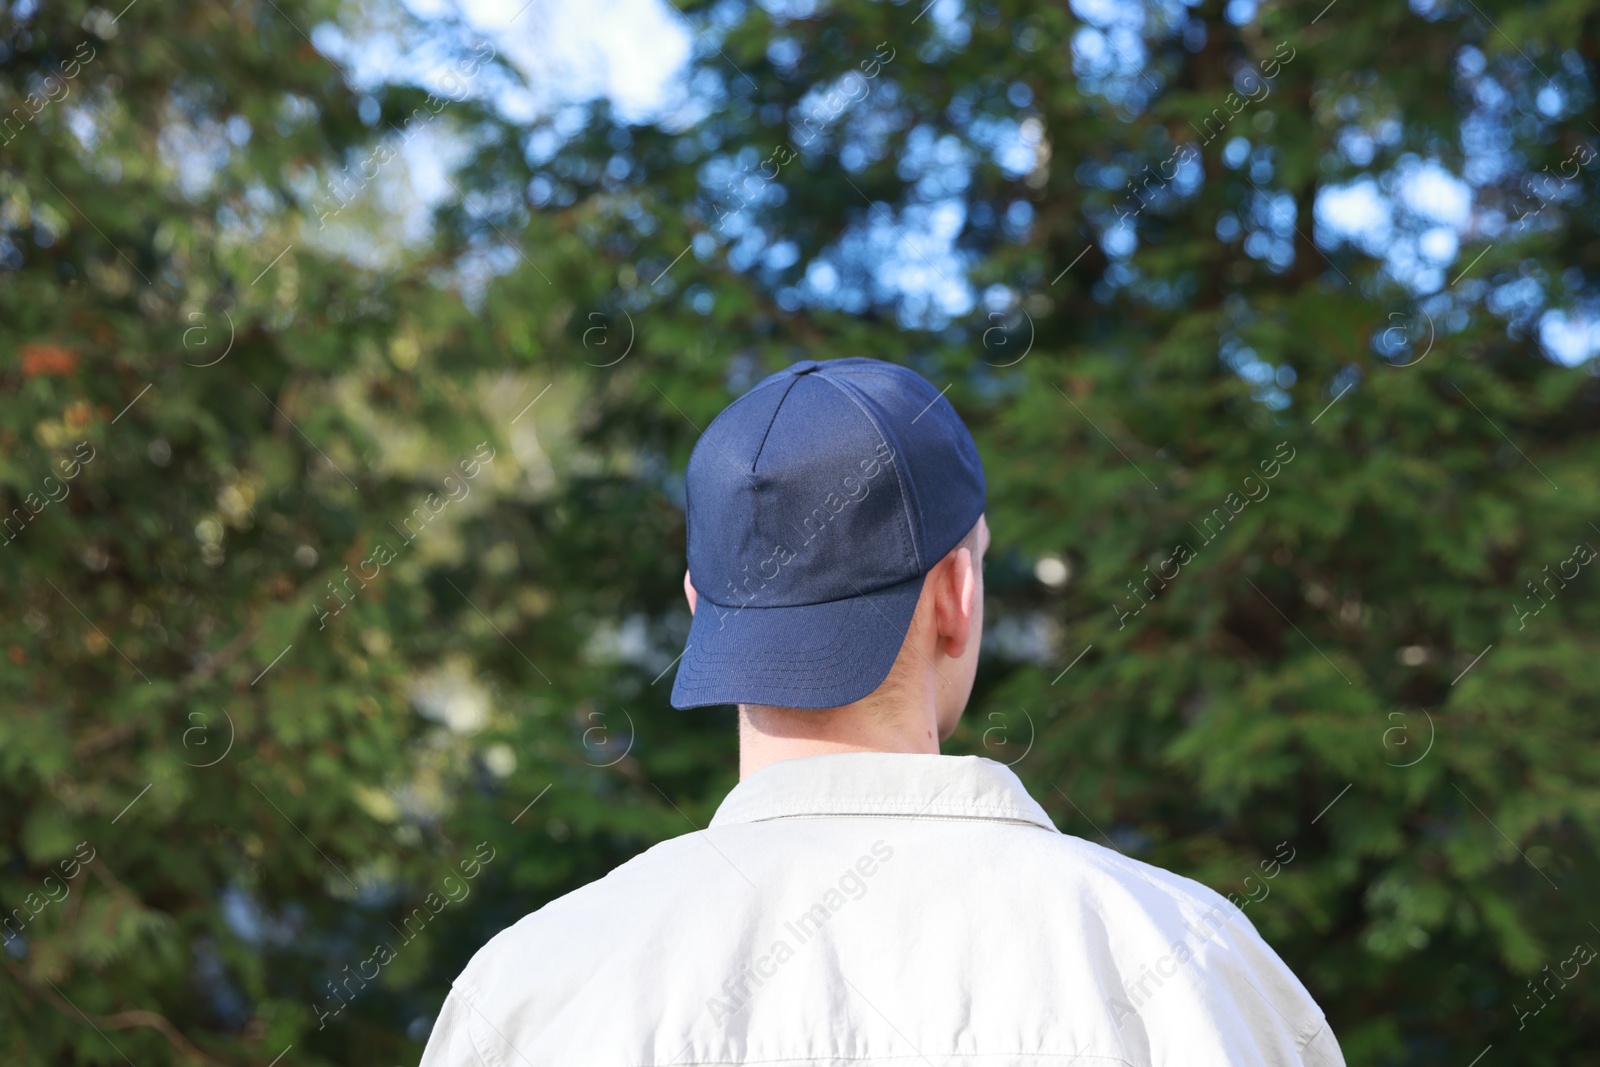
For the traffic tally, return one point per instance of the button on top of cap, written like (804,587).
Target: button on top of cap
(805,366)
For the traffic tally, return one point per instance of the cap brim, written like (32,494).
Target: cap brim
(814,656)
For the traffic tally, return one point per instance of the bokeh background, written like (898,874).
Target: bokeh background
(352,353)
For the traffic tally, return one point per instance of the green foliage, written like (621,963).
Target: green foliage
(282,705)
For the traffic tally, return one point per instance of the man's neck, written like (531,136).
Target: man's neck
(768,735)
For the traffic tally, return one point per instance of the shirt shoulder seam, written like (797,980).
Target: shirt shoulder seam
(464,987)
(859,806)
(1322,1024)
(958,1057)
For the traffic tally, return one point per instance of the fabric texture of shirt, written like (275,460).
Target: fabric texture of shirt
(881,908)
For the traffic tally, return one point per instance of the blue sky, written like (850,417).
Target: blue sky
(1422,221)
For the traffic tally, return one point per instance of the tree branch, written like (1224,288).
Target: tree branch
(122,1020)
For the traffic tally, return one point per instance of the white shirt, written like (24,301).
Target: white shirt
(880,908)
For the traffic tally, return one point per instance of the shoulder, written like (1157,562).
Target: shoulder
(582,923)
(531,990)
(1200,944)
(1173,956)
(1158,892)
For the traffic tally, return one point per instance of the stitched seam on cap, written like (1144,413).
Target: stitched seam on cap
(849,390)
(773,421)
(826,647)
(851,598)
(822,654)
(886,375)
(828,656)
(688,500)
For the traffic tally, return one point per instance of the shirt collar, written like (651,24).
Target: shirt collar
(882,783)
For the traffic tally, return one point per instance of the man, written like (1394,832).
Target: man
(859,898)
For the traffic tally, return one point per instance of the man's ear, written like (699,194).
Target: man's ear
(688,591)
(955,591)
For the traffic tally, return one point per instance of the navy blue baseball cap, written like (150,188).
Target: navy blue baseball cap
(817,504)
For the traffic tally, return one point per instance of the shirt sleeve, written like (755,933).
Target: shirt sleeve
(450,1044)
(1322,1050)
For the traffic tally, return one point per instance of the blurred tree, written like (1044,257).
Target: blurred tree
(1270,321)
(1275,326)
(252,463)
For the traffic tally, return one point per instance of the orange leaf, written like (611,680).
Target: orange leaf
(47,359)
